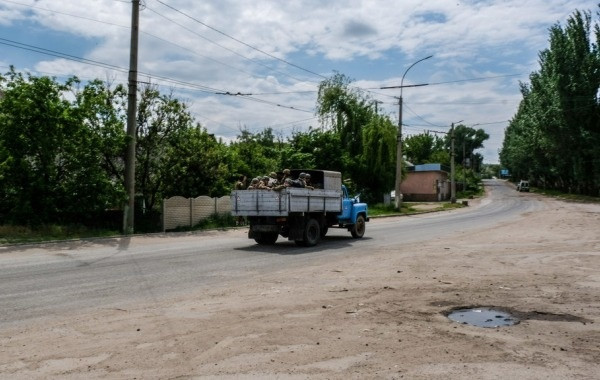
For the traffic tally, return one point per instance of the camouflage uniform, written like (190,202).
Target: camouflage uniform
(254,184)
(273,182)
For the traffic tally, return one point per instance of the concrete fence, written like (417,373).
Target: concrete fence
(187,212)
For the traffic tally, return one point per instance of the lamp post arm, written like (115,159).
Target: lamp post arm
(410,67)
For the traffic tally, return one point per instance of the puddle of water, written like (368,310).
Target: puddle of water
(483,317)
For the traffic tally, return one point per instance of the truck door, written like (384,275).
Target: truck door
(346,205)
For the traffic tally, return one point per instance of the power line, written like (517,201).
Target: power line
(476,79)
(55,53)
(160,38)
(198,87)
(226,48)
(465,80)
(67,14)
(239,41)
(419,116)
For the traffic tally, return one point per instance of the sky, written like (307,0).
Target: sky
(275,54)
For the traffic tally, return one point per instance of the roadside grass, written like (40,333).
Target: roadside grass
(381,209)
(215,221)
(565,196)
(10,234)
(410,208)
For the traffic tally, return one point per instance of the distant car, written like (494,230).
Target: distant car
(523,186)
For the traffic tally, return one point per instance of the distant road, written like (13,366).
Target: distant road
(50,279)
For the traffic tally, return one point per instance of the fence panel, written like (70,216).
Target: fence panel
(187,212)
(176,212)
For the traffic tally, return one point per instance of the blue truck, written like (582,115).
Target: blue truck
(301,214)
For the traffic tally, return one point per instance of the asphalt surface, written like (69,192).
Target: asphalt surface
(50,279)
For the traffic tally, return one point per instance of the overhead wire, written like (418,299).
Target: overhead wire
(154,36)
(221,46)
(248,96)
(240,41)
(198,87)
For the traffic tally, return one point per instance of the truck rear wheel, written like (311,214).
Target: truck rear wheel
(358,229)
(266,238)
(312,233)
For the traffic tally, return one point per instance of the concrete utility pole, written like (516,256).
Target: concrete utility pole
(128,210)
(464,188)
(452,181)
(398,194)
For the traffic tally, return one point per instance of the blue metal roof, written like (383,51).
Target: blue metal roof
(429,168)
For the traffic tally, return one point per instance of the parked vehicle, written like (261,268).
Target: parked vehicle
(301,214)
(523,186)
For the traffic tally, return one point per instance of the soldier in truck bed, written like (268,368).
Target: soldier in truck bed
(305,178)
(253,184)
(241,183)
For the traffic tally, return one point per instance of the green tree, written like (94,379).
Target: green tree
(49,161)
(418,149)
(466,141)
(198,164)
(160,122)
(314,149)
(103,111)
(347,112)
(553,138)
(255,154)
(378,160)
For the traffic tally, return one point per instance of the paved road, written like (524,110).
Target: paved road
(55,278)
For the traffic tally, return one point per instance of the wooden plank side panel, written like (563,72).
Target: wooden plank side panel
(279,203)
(303,200)
(258,203)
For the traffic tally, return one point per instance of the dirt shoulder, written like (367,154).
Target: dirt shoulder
(381,315)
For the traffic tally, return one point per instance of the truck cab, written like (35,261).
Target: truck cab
(354,213)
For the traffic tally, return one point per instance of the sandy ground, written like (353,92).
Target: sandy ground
(381,316)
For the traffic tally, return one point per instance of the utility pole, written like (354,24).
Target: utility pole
(452,183)
(376,103)
(398,194)
(464,188)
(452,173)
(128,210)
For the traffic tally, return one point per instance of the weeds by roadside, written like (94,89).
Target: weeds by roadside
(566,196)
(409,208)
(212,222)
(23,234)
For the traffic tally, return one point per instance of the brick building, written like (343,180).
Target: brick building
(426,183)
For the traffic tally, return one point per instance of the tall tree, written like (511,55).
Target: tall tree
(50,162)
(466,141)
(348,113)
(160,121)
(553,138)
(378,160)
(198,164)
(255,154)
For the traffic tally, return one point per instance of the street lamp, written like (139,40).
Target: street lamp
(398,200)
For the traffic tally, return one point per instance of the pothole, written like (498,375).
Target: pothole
(483,317)
(496,316)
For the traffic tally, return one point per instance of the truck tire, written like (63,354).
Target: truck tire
(266,238)
(312,233)
(358,229)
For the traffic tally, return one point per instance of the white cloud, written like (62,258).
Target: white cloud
(375,41)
